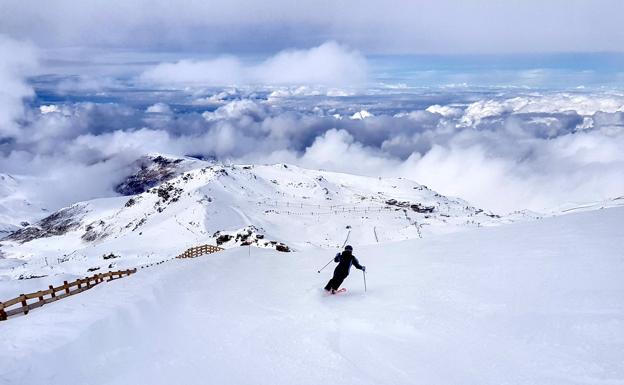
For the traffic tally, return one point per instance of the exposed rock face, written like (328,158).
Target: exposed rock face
(223,238)
(418,207)
(245,237)
(282,247)
(168,193)
(152,171)
(59,223)
(95,231)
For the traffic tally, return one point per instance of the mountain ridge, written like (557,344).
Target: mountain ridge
(181,202)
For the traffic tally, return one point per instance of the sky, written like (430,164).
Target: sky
(391,27)
(510,105)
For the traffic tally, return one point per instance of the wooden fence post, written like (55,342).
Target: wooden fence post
(24,304)
(3,315)
(66,287)
(79,283)
(53,293)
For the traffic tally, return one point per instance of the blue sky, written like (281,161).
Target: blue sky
(543,70)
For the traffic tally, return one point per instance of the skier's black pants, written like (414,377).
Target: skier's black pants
(336,280)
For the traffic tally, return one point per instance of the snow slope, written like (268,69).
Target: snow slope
(537,302)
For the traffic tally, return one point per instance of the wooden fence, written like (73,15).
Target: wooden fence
(199,250)
(56,293)
(80,285)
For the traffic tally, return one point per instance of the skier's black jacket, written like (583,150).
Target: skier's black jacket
(345,260)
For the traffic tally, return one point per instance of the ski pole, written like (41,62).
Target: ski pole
(330,261)
(364,274)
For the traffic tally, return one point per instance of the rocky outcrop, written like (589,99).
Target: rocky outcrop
(59,223)
(417,207)
(247,236)
(151,172)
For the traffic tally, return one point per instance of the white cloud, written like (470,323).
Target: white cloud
(159,108)
(18,59)
(446,111)
(49,109)
(519,160)
(586,104)
(338,150)
(397,26)
(236,109)
(220,71)
(329,64)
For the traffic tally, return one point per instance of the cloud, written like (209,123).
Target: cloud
(221,71)
(237,109)
(329,64)
(446,111)
(537,152)
(18,60)
(338,150)
(466,26)
(557,103)
(159,108)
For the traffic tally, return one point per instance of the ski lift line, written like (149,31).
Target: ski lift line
(336,212)
(349,209)
(293,204)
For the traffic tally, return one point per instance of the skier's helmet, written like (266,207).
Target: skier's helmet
(349,247)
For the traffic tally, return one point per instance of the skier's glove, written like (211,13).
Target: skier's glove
(363,268)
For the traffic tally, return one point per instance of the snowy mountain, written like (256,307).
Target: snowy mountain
(454,294)
(172,203)
(536,302)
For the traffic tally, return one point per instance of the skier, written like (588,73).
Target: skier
(344,260)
